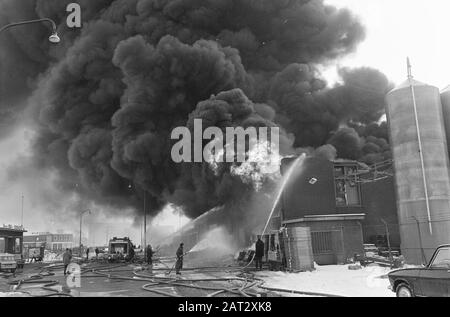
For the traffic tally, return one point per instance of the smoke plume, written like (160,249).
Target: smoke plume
(104,102)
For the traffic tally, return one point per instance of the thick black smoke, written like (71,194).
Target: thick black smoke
(105,101)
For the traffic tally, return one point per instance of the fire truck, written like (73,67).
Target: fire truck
(120,249)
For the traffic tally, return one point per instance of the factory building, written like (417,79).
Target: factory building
(343,206)
(422,174)
(49,241)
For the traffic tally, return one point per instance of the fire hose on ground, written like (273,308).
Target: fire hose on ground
(156,284)
(157,281)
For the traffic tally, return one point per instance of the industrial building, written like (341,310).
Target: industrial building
(410,203)
(50,241)
(343,205)
(404,203)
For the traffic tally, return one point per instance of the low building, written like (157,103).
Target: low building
(343,210)
(61,241)
(11,240)
(50,241)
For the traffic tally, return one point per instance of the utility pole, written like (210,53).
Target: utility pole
(22,213)
(81,221)
(145,226)
(142,229)
(107,235)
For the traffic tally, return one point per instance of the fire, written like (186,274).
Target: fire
(261,165)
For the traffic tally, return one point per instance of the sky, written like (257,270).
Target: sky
(400,28)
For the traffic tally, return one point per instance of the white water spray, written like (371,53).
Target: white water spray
(217,240)
(285,180)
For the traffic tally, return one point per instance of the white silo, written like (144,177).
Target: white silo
(445,98)
(421,162)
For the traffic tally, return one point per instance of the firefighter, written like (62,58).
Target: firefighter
(67,256)
(259,253)
(180,255)
(131,253)
(149,259)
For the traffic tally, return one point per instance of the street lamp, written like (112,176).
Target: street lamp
(81,221)
(53,38)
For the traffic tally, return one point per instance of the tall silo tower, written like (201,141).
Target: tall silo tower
(421,161)
(445,98)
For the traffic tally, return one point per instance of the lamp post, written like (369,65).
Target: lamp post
(53,38)
(145,226)
(81,221)
(22,212)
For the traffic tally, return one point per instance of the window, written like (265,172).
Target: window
(272,243)
(17,246)
(346,186)
(2,245)
(442,259)
(322,242)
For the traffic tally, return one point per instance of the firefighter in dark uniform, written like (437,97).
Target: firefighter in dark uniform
(149,254)
(259,253)
(179,263)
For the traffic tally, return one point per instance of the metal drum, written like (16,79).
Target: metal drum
(298,248)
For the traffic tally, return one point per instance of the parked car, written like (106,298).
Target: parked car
(430,281)
(7,263)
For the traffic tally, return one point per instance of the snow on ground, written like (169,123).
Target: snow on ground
(12,294)
(50,257)
(370,281)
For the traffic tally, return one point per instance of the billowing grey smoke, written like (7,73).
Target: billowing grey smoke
(106,100)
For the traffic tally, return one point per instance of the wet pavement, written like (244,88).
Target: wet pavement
(126,280)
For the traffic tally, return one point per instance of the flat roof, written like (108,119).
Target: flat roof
(13,229)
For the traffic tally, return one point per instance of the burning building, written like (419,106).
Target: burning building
(344,203)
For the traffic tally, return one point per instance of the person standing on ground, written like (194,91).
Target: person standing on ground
(67,256)
(131,254)
(87,253)
(180,255)
(150,257)
(259,253)
(97,251)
